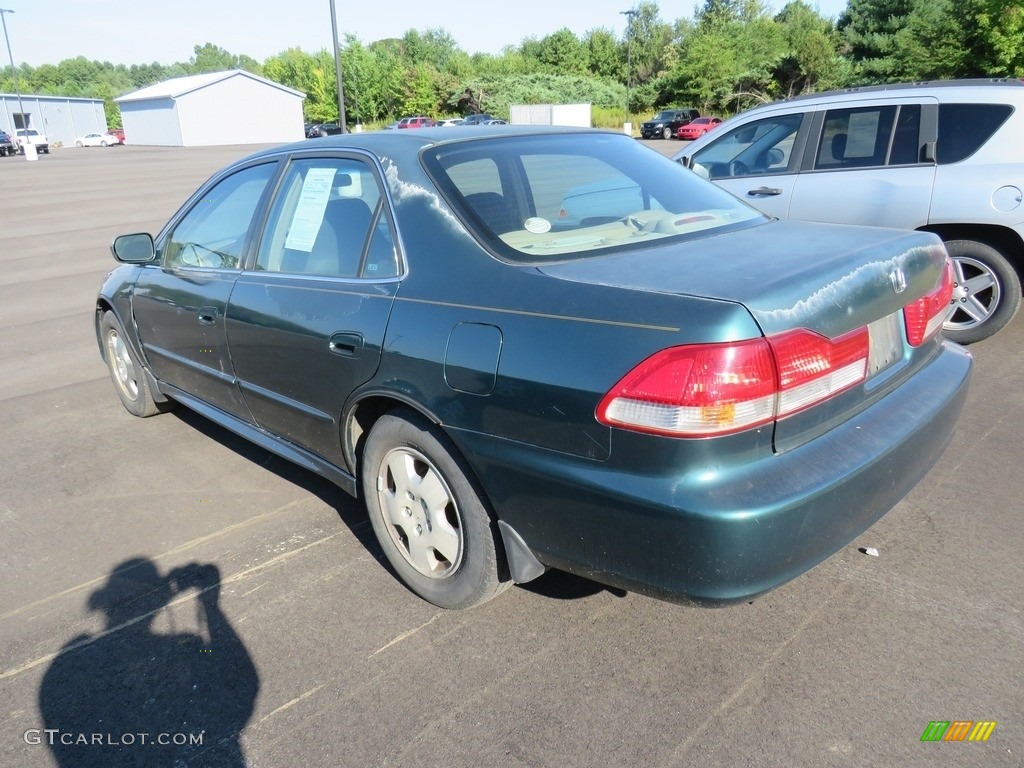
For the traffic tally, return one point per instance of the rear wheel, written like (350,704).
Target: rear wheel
(429,515)
(79,144)
(986,292)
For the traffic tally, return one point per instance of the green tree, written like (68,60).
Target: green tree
(812,59)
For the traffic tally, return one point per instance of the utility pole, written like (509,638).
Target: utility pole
(14,77)
(629,58)
(337,70)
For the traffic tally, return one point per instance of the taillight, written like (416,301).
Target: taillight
(924,317)
(716,389)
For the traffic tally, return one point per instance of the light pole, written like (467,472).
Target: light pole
(14,77)
(337,70)
(629,57)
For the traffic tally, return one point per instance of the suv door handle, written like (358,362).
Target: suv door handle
(765,191)
(207,315)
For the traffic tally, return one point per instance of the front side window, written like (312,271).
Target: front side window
(761,147)
(329,220)
(555,197)
(213,233)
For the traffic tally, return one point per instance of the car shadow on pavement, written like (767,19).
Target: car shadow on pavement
(135,695)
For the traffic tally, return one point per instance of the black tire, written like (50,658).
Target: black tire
(986,292)
(126,370)
(420,493)
(666,134)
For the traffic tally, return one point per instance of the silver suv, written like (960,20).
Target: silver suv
(942,157)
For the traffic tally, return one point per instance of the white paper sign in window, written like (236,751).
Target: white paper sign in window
(309,213)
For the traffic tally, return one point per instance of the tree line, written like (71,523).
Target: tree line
(730,55)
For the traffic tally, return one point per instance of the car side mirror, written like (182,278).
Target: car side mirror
(133,249)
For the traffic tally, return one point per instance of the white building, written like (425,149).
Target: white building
(234,107)
(59,118)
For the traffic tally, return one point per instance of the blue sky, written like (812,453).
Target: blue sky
(143,31)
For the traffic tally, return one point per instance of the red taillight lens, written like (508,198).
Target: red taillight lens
(924,317)
(716,389)
(813,368)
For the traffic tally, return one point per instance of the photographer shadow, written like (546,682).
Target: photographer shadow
(132,696)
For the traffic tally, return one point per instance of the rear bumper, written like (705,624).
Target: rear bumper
(710,535)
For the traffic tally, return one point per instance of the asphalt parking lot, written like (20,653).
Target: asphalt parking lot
(270,628)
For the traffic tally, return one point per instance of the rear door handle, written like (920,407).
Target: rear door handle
(346,343)
(207,315)
(765,191)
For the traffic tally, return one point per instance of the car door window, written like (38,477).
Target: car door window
(855,138)
(329,219)
(213,233)
(760,147)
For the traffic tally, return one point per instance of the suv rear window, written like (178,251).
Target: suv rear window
(963,128)
(547,198)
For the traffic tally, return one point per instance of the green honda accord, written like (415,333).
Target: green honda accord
(532,348)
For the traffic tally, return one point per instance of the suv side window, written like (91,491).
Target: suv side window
(963,128)
(764,146)
(855,138)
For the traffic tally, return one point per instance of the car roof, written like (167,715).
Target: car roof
(982,89)
(387,142)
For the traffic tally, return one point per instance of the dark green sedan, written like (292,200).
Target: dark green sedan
(533,348)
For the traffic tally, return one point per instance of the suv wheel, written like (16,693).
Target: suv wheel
(667,133)
(986,292)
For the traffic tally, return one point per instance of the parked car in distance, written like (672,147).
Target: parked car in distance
(477,119)
(450,122)
(941,157)
(34,137)
(698,127)
(7,146)
(117,133)
(667,123)
(319,130)
(496,121)
(416,122)
(746,395)
(95,140)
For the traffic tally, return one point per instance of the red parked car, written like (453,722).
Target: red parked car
(416,122)
(697,127)
(117,133)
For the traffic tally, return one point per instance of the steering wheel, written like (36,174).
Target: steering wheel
(738,168)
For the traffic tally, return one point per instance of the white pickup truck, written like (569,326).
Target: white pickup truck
(42,144)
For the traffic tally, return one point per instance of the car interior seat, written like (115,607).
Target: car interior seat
(496,211)
(338,247)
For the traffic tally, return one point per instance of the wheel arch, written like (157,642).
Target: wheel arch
(103,305)
(364,412)
(1003,239)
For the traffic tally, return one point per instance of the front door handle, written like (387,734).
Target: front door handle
(207,315)
(765,191)
(346,343)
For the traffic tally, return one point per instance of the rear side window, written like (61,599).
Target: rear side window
(963,128)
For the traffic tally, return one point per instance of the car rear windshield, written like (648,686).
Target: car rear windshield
(557,197)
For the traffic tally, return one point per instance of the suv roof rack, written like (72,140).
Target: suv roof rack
(980,81)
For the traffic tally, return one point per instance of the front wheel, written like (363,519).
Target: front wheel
(986,292)
(126,370)
(429,515)
(79,144)
(667,133)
